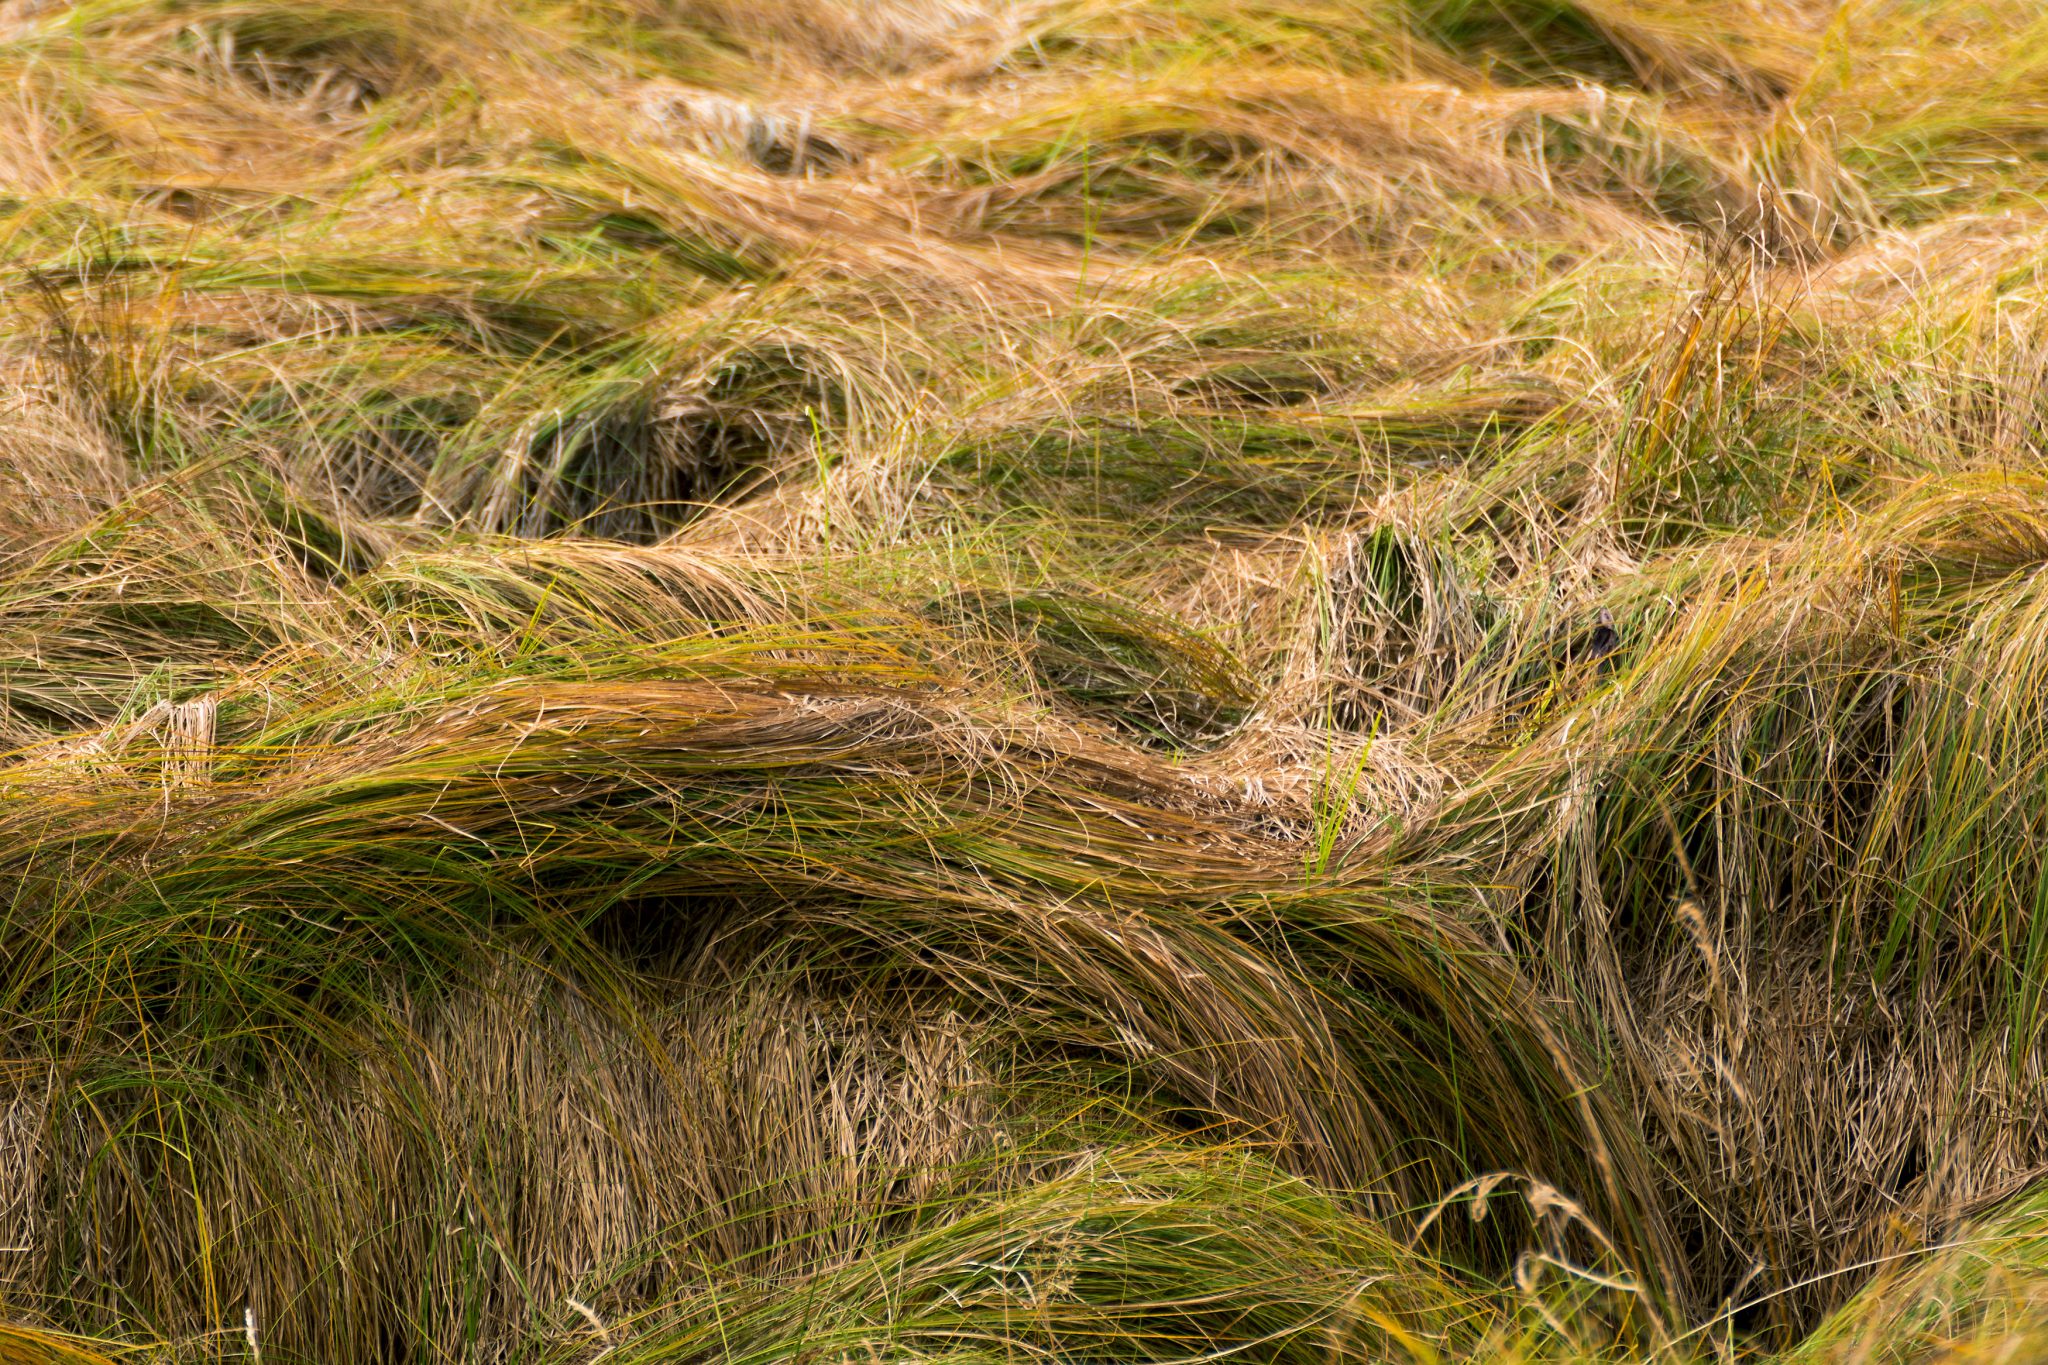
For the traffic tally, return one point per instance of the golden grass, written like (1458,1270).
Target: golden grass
(995,680)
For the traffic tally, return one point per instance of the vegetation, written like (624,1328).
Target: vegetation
(1024,680)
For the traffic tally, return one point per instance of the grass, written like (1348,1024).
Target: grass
(1022,680)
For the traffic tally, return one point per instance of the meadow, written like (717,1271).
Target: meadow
(996,681)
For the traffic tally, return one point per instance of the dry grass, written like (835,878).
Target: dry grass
(1000,680)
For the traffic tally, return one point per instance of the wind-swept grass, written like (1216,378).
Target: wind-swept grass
(1000,680)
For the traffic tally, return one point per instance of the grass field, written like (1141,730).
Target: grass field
(1024,680)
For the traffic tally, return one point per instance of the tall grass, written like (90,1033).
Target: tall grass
(999,680)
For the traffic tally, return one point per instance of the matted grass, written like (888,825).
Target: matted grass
(1023,680)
